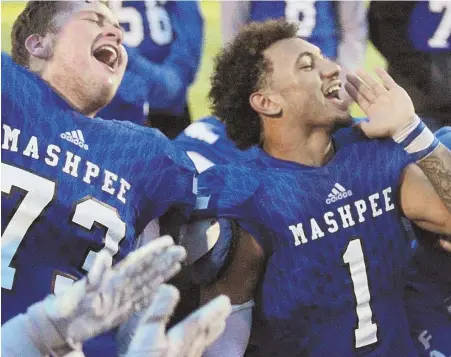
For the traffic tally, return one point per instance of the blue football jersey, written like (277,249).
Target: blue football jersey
(164,44)
(335,246)
(206,143)
(429,26)
(317,20)
(72,186)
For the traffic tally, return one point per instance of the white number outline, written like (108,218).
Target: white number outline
(39,196)
(366,331)
(307,8)
(441,35)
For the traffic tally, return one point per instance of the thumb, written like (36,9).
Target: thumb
(100,265)
(150,337)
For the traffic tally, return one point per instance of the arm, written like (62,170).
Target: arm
(234,14)
(391,114)
(352,17)
(238,282)
(421,203)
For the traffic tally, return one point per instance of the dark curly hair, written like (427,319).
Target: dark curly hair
(241,69)
(37,17)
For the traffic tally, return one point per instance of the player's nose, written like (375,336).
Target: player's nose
(113,33)
(329,69)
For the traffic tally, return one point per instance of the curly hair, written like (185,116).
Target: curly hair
(240,70)
(36,18)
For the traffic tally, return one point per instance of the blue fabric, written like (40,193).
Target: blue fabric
(428,290)
(306,304)
(98,189)
(159,71)
(317,20)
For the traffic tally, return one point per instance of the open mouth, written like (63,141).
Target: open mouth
(333,92)
(108,55)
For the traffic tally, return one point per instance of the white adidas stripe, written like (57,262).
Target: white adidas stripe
(335,191)
(340,187)
(80,135)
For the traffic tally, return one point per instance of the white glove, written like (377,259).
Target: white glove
(188,338)
(105,298)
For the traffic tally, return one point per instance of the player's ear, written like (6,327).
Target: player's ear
(265,103)
(39,46)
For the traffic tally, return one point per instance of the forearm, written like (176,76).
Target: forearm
(437,168)
(354,35)
(234,14)
(23,336)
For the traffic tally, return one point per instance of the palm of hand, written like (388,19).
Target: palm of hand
(387,106)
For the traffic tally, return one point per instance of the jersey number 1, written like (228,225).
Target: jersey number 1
(366,331)
(40,193)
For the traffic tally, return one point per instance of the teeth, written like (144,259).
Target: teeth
(110,49)
(333,89)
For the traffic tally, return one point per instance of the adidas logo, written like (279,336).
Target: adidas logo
(75,137)
(338,193)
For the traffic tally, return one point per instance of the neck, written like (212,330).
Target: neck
(303,145)
(72,97)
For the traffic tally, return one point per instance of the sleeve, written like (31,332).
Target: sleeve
(22,336)
(165,85)
(16,340)
(234,14)
(232,192)
(169,189)
(352,17)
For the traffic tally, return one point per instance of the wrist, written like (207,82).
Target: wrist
(52,342)
(416,139)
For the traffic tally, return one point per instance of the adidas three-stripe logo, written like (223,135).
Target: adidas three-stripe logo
(338,193)
(75,137)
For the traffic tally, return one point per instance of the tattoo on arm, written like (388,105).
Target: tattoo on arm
(437,167)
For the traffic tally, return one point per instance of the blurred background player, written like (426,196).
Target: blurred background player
(428,291)
(74,185)
(164,42)
(338,28)
(415,38)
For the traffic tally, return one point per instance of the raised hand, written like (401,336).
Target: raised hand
(188,338)
(107,297)
(386,104)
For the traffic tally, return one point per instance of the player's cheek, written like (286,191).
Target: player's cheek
(124,56)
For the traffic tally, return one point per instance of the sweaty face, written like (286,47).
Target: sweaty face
(88,60)
(306,82)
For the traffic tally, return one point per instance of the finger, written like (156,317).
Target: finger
(162,307)
(361,87)
(376,86)
(150,336)
(101,264)
(357,97)
(446,245)
(214,331)
(387,80)
(217,309)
